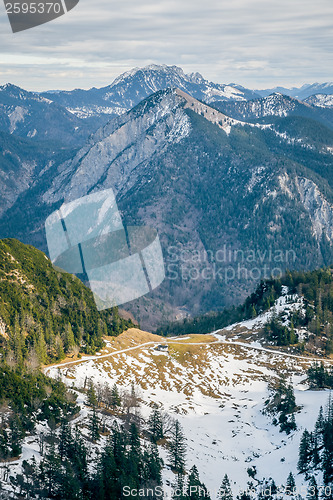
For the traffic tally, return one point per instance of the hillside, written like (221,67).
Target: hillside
(216,387)
(296,310)
(44,312)
(21,162)
(224,385)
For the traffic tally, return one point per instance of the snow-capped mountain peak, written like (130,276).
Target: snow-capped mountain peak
(131,87)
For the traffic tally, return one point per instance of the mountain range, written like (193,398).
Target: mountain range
(301,93)
(133,86)
(236,184)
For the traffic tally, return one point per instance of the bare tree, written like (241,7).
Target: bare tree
(107,395)
(168,424)
(32,362)
(131,406)
(11,360)
(99,393)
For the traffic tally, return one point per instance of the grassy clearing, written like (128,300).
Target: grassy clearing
(188,367)
(197,362)
(192,338)
(130,338)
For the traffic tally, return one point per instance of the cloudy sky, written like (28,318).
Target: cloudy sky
(257,43)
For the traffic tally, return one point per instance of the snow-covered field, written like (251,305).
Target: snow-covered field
(217,390)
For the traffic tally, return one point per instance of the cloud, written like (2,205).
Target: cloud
(256,43)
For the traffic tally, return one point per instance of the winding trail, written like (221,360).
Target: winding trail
(173,341)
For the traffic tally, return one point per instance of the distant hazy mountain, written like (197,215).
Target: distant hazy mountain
(69,117)
(300,93)
(206,182)
(32,116)
(133,86)
(315,88)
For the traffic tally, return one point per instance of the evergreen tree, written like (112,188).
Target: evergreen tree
(179,488)
(16,437)
(195,488)
(91,394)
(319,428)
(59,348)
(77,453)
(116,321)
(244,496)
(177,448)
(17,341)
(283,404)
(305,452)
(134,458)
(69,485)
(225,492)
(268,490)
(328,444)
(115,398)
(313,492)
(69,341)
(30,478)
(290,484)
(316,457)
(65,440)
(155,425)
(94,433)
(118,444)
(40,347)
(4,444)
(105,485)
(49,470)
(152,466)
(318,376)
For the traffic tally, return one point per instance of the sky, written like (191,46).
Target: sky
(255,43)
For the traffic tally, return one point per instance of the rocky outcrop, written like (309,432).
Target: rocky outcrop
(3,329)
(318,208)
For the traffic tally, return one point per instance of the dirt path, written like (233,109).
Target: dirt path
(173,341)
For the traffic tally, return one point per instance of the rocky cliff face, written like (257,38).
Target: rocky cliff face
(115,156)
(319,209)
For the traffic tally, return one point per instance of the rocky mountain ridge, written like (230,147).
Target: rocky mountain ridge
(279,106)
